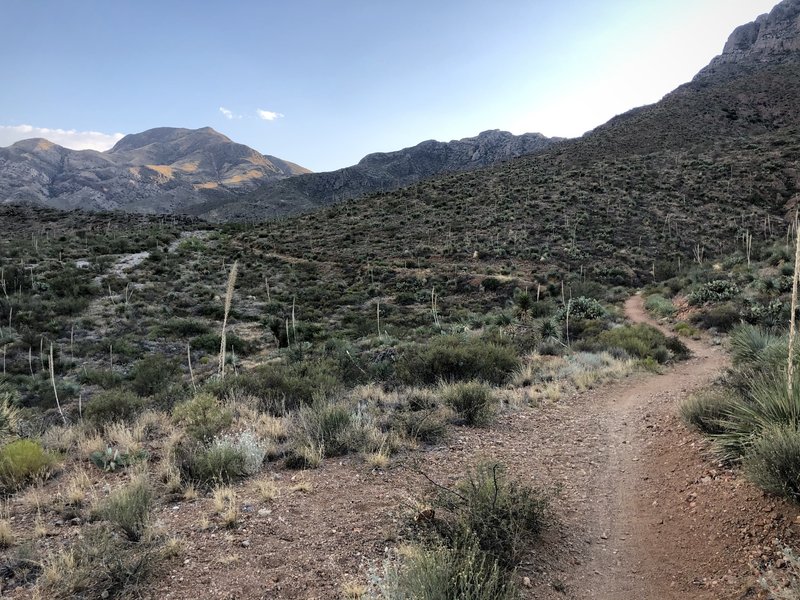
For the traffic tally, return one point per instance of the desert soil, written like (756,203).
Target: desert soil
(641,509)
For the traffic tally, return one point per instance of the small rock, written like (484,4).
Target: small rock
(245,543)
(526,581)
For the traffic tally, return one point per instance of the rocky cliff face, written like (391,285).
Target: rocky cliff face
(380,172)
(161,170)
(771,38)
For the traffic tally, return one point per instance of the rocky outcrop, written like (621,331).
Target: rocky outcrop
(772,38)
(161,170)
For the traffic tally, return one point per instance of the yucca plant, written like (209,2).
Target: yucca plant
(749,342)
(769,402)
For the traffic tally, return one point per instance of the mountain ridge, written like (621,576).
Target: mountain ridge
(161,170)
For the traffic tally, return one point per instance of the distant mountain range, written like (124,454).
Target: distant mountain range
(380,172)
(203,173)
(163,170)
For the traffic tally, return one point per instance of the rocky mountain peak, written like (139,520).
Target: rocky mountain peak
(169,135)
(772,37)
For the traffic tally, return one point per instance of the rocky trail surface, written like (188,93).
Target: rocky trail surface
(641,510)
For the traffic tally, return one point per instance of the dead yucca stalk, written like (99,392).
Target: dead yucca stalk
(792,319)
(228,300)
(55,389)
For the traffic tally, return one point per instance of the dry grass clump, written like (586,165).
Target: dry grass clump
(267,489)
(225,505)
(126,439)
(75,491)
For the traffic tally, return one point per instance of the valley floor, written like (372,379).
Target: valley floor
(641,510)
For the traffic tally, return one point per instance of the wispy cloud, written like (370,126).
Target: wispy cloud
(228,114)
(69,138)
(268,115)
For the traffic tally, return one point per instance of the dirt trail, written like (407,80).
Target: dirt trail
(628,554)
(642,513)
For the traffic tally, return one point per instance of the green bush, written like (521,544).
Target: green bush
(473,401)
(722,317)
(153,374)
(105,378)
(773,461)
(211,342)
(453,358)
(22,461)
(640,341)
(211,465)
(128,509)
(718,290)
(440,573)
(581,308)
(203,416)
(281,388)
(660,306)
(183,328)
(113,405)
(502,516)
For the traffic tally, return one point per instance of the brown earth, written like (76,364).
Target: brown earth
(641,510)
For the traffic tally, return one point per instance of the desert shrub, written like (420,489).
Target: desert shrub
(453,358)
(501,515)
(113,405)
(153,374)
(428,426)
(100,564)
(773,314)
(128,508)
(210,465)
(441,573)
(203,416)
(248,445)
(22,461)
(581,308)
(473,401)
(211,342)
(325,425)
(639,341)
(105,378)
(542,308)
(660,306)
(718,290)
(722,317)
(281,388)
(773,461)
(706,409)
(183,328)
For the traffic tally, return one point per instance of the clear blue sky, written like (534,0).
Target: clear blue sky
(337,79)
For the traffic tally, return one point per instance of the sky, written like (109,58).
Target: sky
(324,82)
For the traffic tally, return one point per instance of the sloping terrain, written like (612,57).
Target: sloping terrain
(381,172)
(684,179)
